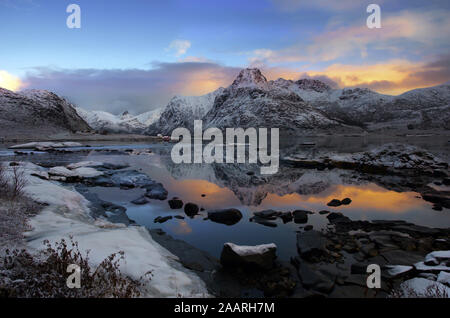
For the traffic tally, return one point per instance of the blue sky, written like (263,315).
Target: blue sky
(151,50)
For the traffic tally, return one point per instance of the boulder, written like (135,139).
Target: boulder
(311,245)
(300,216)
(225,216)
(175,204)
(249,257)
(334,202)
(346,201)
(161,219)
(140,201)
(191,209)
(156,191)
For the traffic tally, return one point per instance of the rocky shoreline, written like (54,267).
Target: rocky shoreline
(330,263)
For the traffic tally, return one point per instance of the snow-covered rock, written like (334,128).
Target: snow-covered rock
(259,256)
(81,164)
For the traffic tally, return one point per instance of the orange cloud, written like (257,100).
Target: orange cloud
(10,81)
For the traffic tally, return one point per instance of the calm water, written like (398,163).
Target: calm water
(227,186)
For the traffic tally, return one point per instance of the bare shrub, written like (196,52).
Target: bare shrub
(432,291)
(22,275)
(12,184)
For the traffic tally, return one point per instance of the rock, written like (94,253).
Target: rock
(175,204)
(286,217)
(267,214)
(399,257)
(346,201)
(324,212)
(156,191)
(160,219)
(262,221)
(180,217)
(300,216)
(140,201)
(444,278)
(334,202)
(225,216)
(311,245)
(191,209)
(248,257)
(308,228)
(398,270)
(446,181)
(337,217)
(313,279)
(203,195)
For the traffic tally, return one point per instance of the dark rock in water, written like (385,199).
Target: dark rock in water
(337,217)
(161,219)
(324,212)
(225,216)
(311,245)
(140,201)
(156,191)
(175,204)
(191,209)
(334,202)
(111,166)
(203,195)
(300,216)
(313,279)
(267,214)
(250,173)
(248,257)
(263,221)
(180,217)
(446,181)
(286,217)
(346,201)
(308,228)
(437,207)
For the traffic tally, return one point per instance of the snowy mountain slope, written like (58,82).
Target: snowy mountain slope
(125,123)
(37,111)
(182,111)
(252,101)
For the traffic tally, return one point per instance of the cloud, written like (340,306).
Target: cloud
(405,32)
(10,81)
(179,47)
(391,77)
(136,90)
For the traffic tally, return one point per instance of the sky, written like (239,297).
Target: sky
(135,55)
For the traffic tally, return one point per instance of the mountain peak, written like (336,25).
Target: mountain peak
(249,77)
(312,84)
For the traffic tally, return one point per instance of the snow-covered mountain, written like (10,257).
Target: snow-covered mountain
(365,108)
(182,111)
(126,123)
(37,111)
(252,101)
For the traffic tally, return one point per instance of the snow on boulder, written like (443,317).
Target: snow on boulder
(251,257)
(397,270)
(82,164)
(444,278)
(85,172)
(61,171)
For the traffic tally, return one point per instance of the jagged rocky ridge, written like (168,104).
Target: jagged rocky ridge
(29,111)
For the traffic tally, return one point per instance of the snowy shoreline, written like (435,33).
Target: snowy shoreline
(66,214)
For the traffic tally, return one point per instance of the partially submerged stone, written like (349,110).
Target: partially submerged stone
(249,257)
